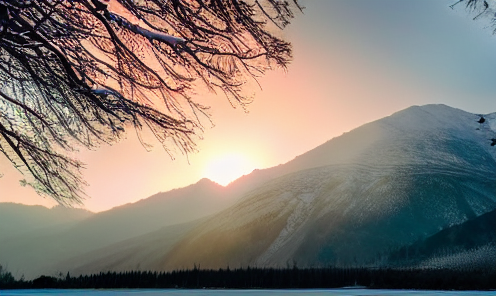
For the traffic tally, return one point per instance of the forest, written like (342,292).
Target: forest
(268,278)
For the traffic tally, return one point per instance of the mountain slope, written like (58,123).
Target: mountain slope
(173,207)
(469,239)
(127,255)
(403,178)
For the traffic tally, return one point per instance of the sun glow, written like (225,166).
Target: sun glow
(228,167)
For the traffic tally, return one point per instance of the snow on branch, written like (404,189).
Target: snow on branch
(100,90)
(151,35)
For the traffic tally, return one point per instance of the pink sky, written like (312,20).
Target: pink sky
(354,62)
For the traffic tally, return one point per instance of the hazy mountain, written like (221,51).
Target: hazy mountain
(163,209)
(167,208)
(35,252)
(378,187)
(26,233)
(17,219)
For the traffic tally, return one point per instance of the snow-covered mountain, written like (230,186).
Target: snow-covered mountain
(374,189)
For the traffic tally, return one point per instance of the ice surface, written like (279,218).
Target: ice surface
(301,292)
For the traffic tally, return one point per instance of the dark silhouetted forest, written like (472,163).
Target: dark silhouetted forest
(270,278)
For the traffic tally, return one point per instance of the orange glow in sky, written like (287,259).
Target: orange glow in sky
(354,62)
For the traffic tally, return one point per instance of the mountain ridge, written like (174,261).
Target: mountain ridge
(434,158)
(16,219)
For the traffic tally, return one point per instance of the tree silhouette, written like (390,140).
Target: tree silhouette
(481,8)
(78,73)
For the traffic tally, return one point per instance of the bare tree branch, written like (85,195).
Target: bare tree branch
(77,72)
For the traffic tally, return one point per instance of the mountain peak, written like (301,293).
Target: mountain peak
(207,181)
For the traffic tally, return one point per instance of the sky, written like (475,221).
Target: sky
(355,61)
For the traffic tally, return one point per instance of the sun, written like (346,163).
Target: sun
(228,167)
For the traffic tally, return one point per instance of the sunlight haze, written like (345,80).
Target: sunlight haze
(227,167)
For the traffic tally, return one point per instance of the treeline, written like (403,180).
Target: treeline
(272,278)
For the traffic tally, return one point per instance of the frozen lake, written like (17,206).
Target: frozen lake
(173,292)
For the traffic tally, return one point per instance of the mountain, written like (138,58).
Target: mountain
(167,208)
(128,255)
(379,187)
(160,210)
(34,252)
(17,219)
(352,200)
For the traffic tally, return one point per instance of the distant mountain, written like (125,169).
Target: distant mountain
(381,186)
(39,242)
(167,208)
(24,231)
(35,252)
(17,219)
(162,209)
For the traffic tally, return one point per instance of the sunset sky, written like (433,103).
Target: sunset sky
(355,61)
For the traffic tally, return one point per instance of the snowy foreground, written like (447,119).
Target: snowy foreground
(172,292)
